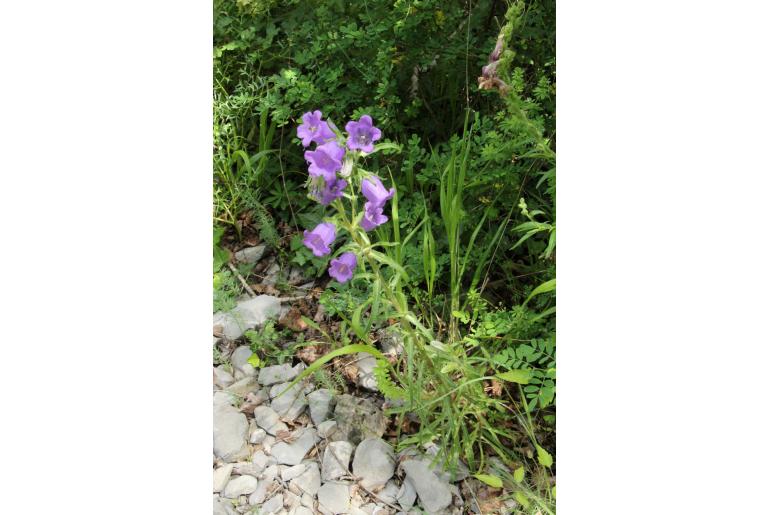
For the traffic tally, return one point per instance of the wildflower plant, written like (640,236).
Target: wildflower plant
(434,380)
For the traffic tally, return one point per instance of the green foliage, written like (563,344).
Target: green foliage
(467,265)
(267,342)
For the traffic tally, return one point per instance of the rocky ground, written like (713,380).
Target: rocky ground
(309,449)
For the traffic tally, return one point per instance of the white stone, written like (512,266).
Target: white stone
(230,429)
(374,463)
(290,473)
(319,403)
(325,429)
(334,497)
(222,378)
(247,314)
(277,374)
(241,485)
(260,460)
(366,364)
(250,255)
(258,497)
(336,460)
(434,493)
(407,495)
(293,453)
(242,386)
(240,356)
(222,476)
(308,482)
(272,505)
(288,405)
(257,436)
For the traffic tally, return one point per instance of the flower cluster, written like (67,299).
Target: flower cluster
(331,166)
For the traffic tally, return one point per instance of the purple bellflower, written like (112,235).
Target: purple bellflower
(330,191)
(362,134)
(342,268)
(325,160)
(319,239)
(375,192)
(313,128)
(373,217)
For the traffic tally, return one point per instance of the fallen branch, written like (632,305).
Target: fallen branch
(242,280)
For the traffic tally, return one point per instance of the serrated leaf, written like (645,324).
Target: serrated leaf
(493,481)
(518,475)
(543,456)
(516,376)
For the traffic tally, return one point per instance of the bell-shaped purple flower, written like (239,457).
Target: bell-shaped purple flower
(375,192)
(330,191)
(325,160)
(342,268)
(362,134)
(319,239)
(373,216)
(313,128)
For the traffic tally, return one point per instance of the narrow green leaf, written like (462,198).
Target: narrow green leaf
(493,481)
(543,288)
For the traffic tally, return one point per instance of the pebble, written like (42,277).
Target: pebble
(327,428)
(257,436)
(334,497)
(389,493)
(272,505)
(336,460)
(406,495)
(260,460)
(240,356)
(277,374)
(434,493)
(319,403)
(241,485)
(301,510)
(366,364)
(308,482)
(242,386)
(222,476)
(247,314)
(293,453)
(290,473)
(374,463)
(265,417)
(223,507)
(230,431)
(258,497)
(291,404)
(250,255)
(222,378)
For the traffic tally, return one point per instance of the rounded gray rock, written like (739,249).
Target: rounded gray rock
(334,497)
(374,462)
(241,485)
(336,460)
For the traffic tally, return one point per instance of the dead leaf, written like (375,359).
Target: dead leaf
(251,402)
(218,330)
(495,388)
(311,353)
(293,320)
